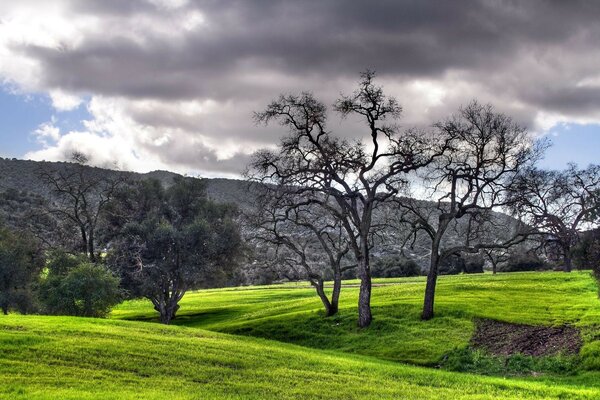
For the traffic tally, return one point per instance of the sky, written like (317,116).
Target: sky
(172,84)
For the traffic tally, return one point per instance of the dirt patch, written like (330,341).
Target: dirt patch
(504,339)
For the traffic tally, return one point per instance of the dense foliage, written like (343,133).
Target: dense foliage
(523,261)
(168,241)
(394,267)
(20,263)
(73,286)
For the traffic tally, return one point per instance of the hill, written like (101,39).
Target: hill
(292,313)
(23,176)
(81,358)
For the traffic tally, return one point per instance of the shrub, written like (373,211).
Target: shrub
(394,267)
(586,255)
(523,262)
(474,264)
(452,265)
(86,290)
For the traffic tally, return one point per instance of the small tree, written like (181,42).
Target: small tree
(21,261)
(558,204)
(306,242)
(80,196)
(169,241)
(79,288)
(484,152)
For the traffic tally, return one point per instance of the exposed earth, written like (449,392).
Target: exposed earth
(505,339)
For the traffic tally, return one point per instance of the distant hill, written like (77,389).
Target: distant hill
(23,176)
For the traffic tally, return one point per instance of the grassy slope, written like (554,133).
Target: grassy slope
(77,358)
(291,314)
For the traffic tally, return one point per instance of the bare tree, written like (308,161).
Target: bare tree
(348,179)
(80,195)
(485,151)
(307,242)
(558,204)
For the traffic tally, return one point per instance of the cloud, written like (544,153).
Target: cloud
(173,83)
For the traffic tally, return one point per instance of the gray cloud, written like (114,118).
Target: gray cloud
(530,58)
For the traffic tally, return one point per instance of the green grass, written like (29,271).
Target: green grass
(130,356)
(78,358)
(291,313)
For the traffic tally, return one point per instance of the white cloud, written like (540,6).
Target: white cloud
(47,132)
(62,101)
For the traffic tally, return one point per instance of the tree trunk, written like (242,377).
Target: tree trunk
(430,288)
(90,247)
(568,261)
(494,266)
(321,292)
(364,296)
(5,310)
(84,240)
(335,295)
(167,310)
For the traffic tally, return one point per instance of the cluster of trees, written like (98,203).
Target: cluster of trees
(326,194)
(326,208)
(104,238)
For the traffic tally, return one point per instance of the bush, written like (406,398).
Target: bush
(586,255)
(523,262)
(86,290)
(394,267)
(474,264)
(452,265)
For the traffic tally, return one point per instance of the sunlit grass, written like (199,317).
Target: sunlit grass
(292,313)
(78,358)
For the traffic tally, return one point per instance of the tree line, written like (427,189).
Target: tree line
(101,239)
(350,198)
(327,208)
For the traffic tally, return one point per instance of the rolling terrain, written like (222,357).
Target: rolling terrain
(273,342)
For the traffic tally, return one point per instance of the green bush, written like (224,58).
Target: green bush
(394,267)
(523,262)
(86,290)
(586,255)
(474,264)
(478,361)
(452,265)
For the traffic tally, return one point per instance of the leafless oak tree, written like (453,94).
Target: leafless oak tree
(347,179)
(558,204)
(485,151)
(80,195)
(306,242)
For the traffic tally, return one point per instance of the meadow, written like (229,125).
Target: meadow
(273,342)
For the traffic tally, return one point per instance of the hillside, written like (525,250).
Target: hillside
(80,358)
(291,313)
(23,175)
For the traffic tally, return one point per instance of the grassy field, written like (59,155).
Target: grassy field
(291,313)
(131,356)
(77,358)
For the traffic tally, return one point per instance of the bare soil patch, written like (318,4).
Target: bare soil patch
(505,339)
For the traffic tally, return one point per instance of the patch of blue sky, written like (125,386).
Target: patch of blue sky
(576,143)
(22,114)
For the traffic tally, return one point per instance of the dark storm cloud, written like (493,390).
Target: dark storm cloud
(534,54)
(327,38)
